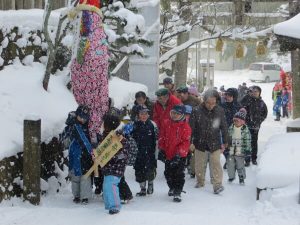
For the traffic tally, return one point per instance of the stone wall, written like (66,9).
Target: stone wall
(11,168)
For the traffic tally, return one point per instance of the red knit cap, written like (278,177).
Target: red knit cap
(91,2)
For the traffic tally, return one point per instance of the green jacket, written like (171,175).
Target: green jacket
(246,139)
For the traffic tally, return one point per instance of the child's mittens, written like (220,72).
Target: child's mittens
(121,156)
(192,148)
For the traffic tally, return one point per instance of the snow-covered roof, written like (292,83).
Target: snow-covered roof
(289,28)
(279,164)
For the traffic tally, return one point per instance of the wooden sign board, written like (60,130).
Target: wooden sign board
(105,151)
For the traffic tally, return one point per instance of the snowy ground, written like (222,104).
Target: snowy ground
(235,206)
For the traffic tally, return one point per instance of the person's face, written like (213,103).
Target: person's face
(143,116)
(210,103)
(183,96)
(175,116)
(237,122)
(168,86)
(140,101)
(81,120)
(228,98)
(163,99)
(255,93)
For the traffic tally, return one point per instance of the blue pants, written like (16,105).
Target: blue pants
(111,192)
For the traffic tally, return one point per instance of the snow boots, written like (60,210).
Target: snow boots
(76,200)
(143,190)
(219,190)
(171,192)
(241,180)
(150,188)
(113,211)
(177,198)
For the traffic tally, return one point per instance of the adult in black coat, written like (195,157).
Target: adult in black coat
(231,107)
(257,112)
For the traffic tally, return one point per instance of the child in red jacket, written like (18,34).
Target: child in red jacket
(175,142)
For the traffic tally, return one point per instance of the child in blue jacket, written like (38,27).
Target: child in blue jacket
(80,158)
(277,106)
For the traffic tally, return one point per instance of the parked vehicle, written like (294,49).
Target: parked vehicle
(265,72)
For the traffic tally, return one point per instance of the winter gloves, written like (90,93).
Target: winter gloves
(176,160)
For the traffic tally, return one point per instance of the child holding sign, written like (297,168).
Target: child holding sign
(114,169)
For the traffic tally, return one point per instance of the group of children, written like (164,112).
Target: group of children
(143,132)
(174,142)
(281,100)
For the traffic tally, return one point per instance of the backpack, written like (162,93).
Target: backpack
(65,136)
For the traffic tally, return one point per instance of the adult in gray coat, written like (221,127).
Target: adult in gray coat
(209,135)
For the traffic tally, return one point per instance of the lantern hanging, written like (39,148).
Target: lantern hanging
(261,48)
(239,52)
(219,45)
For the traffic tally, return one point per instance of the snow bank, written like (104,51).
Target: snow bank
(22,96)
(279,164)
(123,92)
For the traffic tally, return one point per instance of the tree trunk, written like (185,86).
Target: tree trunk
(19,4)
(295,60)
(182,57)
(295,55)
(48,69)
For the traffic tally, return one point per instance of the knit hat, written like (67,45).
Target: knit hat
(91,2)
(162,92)
(142,108)
(182,89)
(83,112)
(180,109)
(232,92)
(256,88)
(193,90)
(168,80)
(241,114)
(188,109)
(110,122)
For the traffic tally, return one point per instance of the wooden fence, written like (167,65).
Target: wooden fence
(29,4)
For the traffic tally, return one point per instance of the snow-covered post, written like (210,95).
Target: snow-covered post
(32,160)
(145,70)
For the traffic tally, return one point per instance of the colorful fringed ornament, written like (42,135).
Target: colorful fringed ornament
(89,70)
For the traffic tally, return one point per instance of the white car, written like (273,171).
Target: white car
(265,72)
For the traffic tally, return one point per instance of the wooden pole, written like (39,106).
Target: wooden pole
(295,63)
(32,161)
